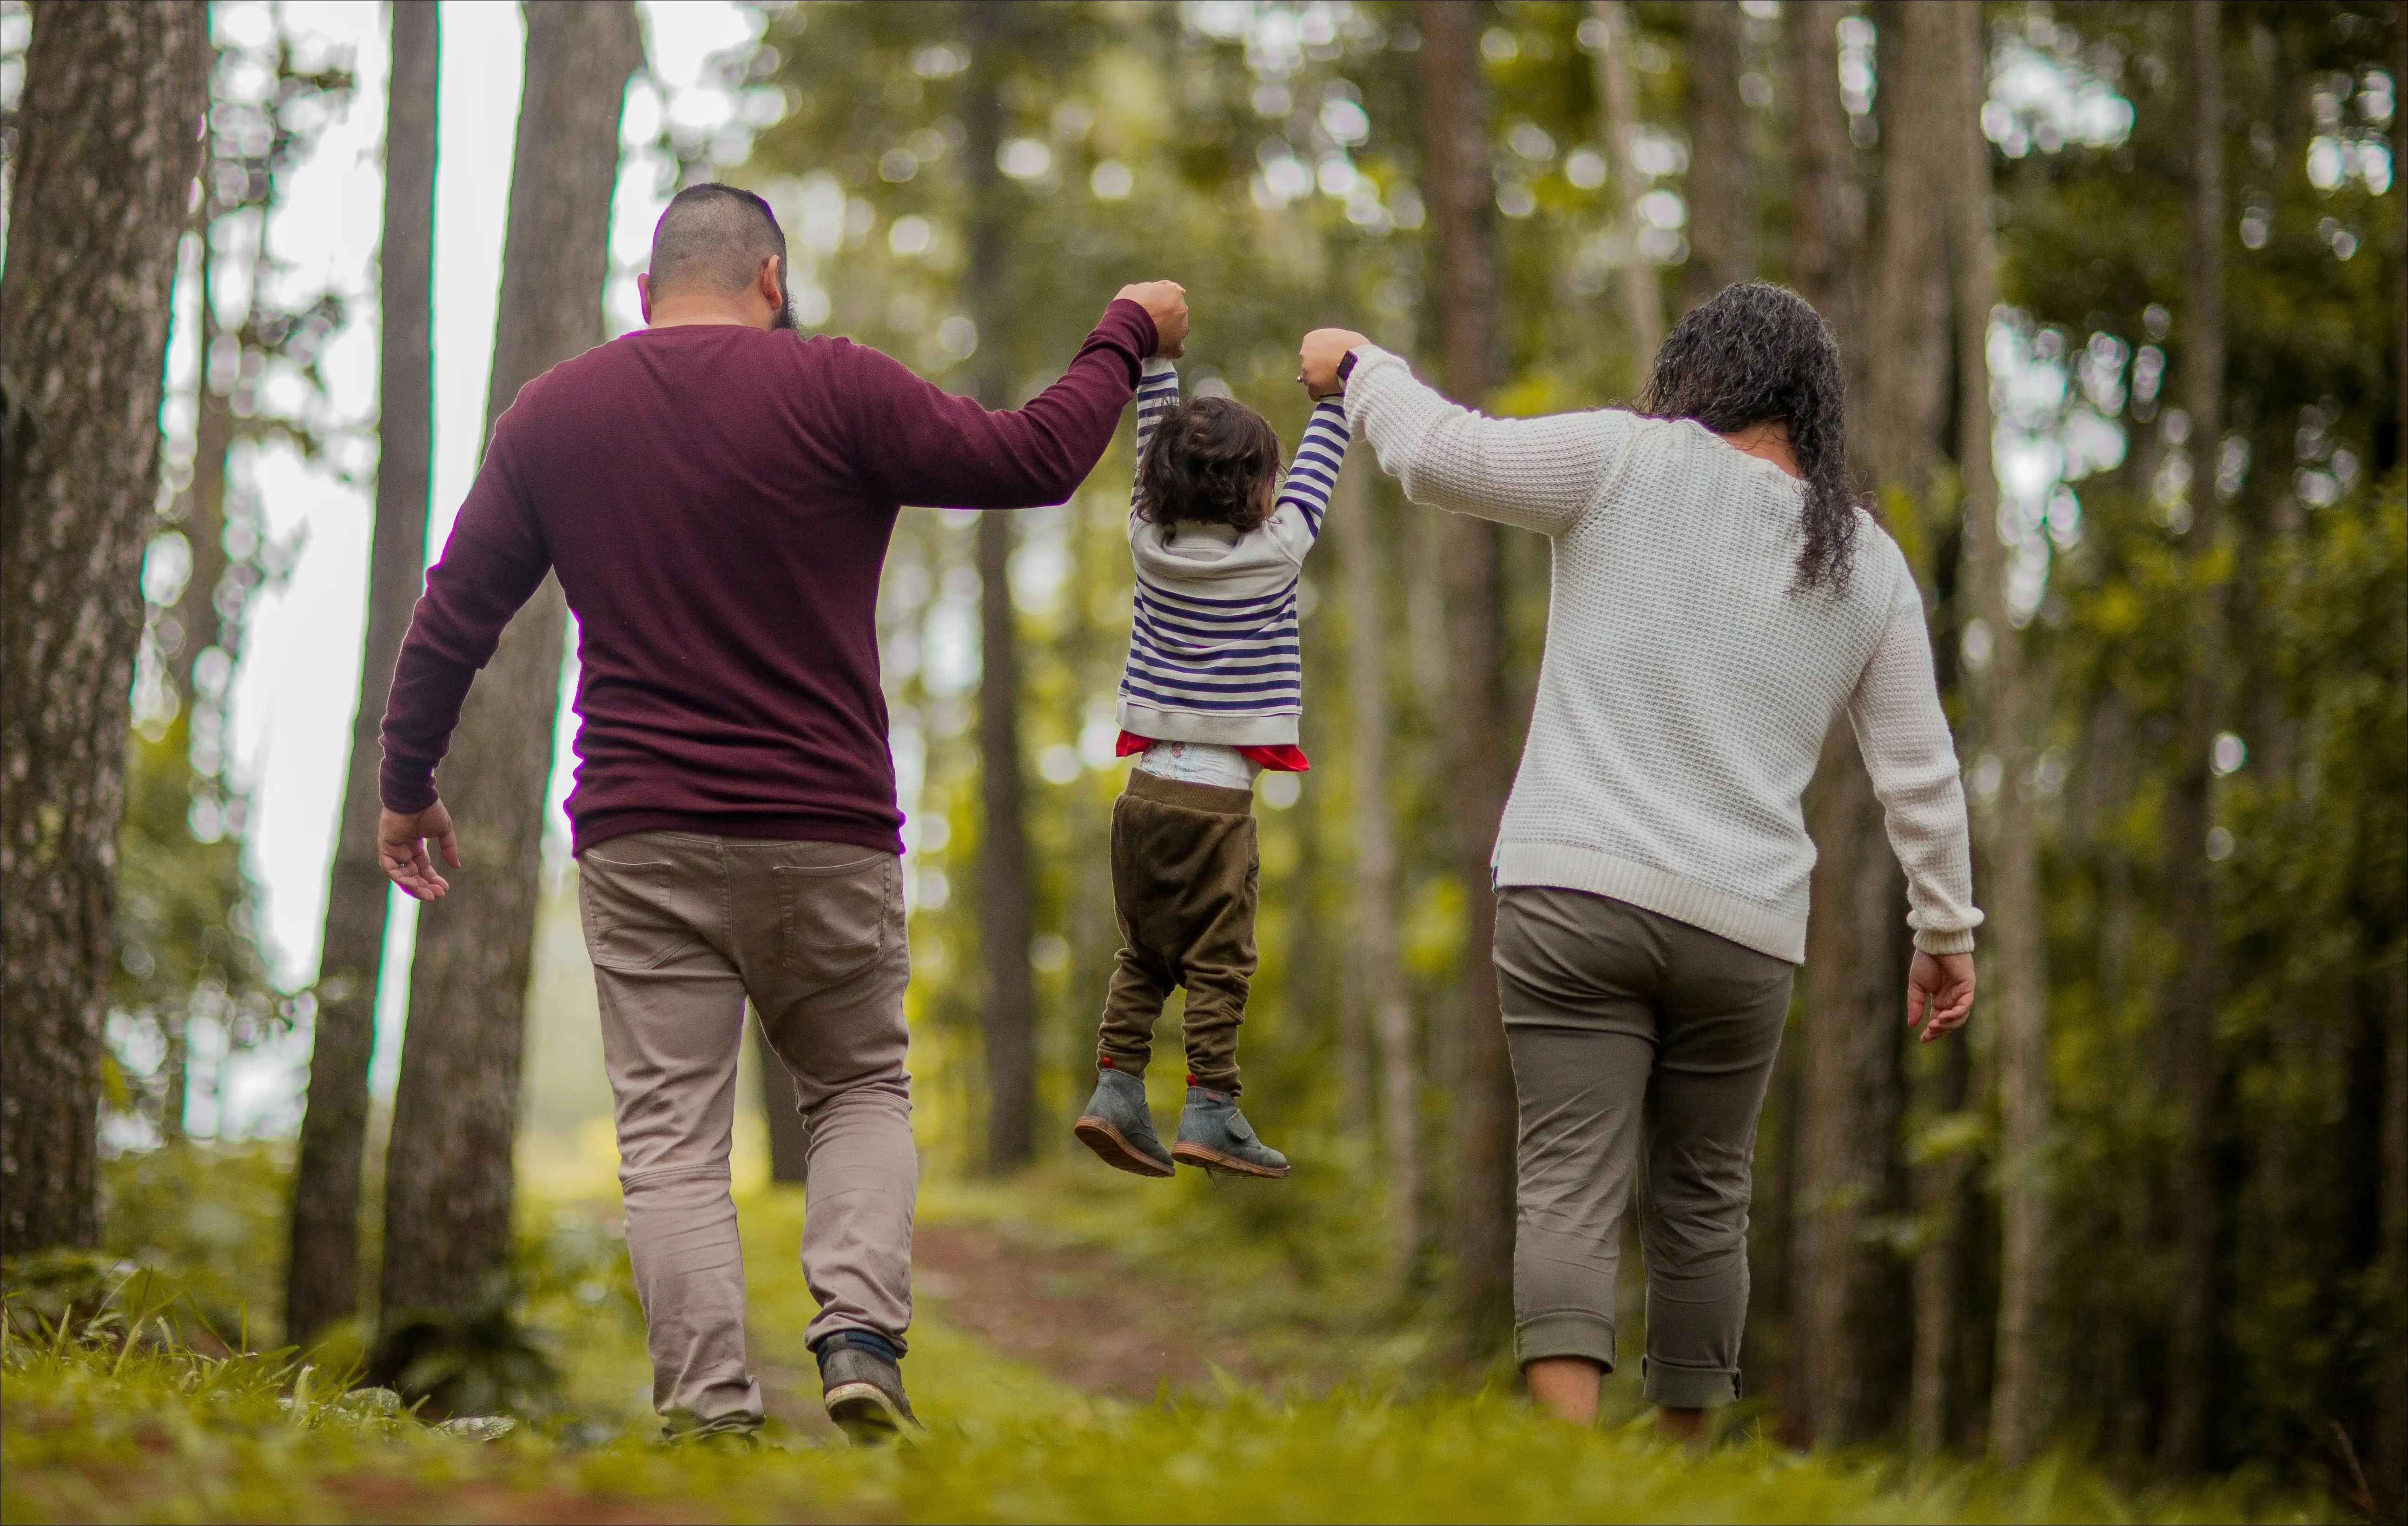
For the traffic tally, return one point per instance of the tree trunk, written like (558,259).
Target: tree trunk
(1617,105)
(201,516)
(322,1277)
(1722,202)
(1008,1020)
(1828,203)
(1903,334)
(108,144)
(2391,1414)
(2189,1017)
(790,1137)
(1847,1146)
(1845,1120)
(2019,1403)
(1454,149)
(448,1171)
(1377,988)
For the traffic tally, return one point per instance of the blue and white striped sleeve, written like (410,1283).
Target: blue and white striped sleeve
(1157,393)
(1313,476)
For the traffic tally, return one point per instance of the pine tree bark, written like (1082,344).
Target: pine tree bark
(323,1275)
(1722,201)
(1378,985)
(448,1168)
(2189,1017)
(1480,740)
(108,144)
(2020,1398)
(1008,1020)
(1617,107)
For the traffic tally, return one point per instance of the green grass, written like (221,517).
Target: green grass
(120,1422)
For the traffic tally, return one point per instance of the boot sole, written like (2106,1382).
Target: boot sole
(1114,1150)
(1208,1158)
(865,1414)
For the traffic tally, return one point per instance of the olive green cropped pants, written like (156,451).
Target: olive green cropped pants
(1640,1043)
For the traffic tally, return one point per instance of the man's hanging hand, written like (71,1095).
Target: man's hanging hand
(402,850)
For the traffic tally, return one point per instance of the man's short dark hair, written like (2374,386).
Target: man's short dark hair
(712,239)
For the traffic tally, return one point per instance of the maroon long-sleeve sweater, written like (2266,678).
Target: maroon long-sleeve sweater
(718,501)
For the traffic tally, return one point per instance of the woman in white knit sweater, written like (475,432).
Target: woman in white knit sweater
(1719,601)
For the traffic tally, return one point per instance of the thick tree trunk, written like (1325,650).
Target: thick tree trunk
(1454,150)
(1828,202)
(2020,1398)
(322,1277)
(447,1167)
(1617,107)
(1845,1116)
(1722,201)
(1847,1143)
(1008,1020)
(2189,1018)
(1377,988)
(107,143)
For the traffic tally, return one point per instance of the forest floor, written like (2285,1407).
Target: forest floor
(1068,1368)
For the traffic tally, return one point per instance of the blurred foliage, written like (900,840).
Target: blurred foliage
(187,941)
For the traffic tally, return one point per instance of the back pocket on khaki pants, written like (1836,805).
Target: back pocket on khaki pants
(625,906)
(833,919)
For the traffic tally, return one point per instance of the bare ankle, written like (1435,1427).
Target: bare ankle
(1566,1386)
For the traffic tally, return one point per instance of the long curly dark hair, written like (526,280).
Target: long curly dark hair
(1212,461)
(1756,353)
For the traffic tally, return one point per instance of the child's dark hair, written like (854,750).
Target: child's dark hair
(1210,462)
(1756,354)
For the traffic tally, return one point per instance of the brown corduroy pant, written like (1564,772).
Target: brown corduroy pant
(1184,870)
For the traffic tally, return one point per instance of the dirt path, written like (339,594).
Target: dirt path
(1083,1315)
(1095,1322)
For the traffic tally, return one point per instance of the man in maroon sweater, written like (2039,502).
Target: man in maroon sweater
(716,494)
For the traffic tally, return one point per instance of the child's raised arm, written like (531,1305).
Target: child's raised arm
(1157,393)
(1313,476)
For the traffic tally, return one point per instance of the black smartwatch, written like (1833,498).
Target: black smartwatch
(1346,369)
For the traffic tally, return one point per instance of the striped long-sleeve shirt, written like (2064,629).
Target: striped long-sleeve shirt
(1214,653)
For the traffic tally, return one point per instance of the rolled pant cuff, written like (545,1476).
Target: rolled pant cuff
(1567,1334)
(1122,1059)
(1215,1080)
(1687,1388)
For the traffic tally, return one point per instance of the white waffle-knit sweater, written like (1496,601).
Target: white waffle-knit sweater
(1688,685)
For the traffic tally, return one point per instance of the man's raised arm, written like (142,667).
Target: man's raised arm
(494,561)
(922,445)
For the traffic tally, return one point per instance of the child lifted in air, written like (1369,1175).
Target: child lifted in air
(1210,698)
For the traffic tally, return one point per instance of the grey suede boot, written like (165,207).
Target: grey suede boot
(1119,1127)
(1213,1134)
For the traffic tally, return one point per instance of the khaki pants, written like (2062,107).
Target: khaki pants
(1640,1043)
(1183,872)
(683,930)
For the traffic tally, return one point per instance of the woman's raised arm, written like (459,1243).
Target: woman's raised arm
(1541,474)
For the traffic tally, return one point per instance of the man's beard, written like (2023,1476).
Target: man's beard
(784,317)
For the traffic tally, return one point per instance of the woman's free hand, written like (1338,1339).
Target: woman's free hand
(1317,360)
(1939,992)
